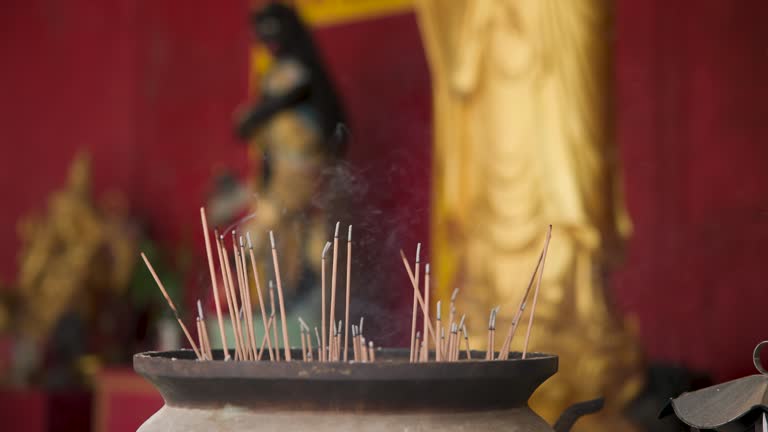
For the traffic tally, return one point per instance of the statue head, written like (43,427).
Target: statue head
(281,29)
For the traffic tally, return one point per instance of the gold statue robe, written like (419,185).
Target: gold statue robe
(523,139)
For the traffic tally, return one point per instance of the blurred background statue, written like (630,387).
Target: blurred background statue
(81,302)
(523,139)
(295,132)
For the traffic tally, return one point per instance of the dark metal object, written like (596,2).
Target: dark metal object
(389,391)
(576,411)
(733,406)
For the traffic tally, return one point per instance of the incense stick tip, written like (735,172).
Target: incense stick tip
(426,268)
(438,310)
(418,252)
(242,244)
(248,237)
(461,321)
(199,309)
(272,238)
(325,249)
(454,294)
(336,233)
(349,236)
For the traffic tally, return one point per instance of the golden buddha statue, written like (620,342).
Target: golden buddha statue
(523,139)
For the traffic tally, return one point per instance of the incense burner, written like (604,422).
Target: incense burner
(389,394)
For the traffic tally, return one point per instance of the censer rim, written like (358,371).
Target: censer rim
(183,364)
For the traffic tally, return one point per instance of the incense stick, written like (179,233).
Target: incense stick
(255,271)
(205,347)
(415,294)
(234,306)
(504,353)
(200,342)
(247,300)
(416,291)
(371,352)
(274,318)
(438,348)
(466,340)
(171,305)
(214,283)
(303,345)
(355,350)
(287,345)
(227,291)
(244,333)
(333,279)
(536,293)
(346,302)
(319,345)
(323,346)
(425,352)
(417,346)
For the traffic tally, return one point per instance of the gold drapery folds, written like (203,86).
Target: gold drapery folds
(523,138)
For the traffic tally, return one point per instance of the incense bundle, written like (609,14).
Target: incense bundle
(330,344)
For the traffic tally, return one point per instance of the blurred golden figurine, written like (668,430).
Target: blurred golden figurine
(523,138)
(72,258)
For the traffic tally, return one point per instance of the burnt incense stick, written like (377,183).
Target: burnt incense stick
(303,345)
(274,319)
(227,291)
(417,346)
(333,278)
(458,337)
(346,301)
(363,351)
(338,342)
(214,283)
(322,356)
(172,306)
(309,346)
(466,341)
(205,346)
(304,328)
(504,353)
(416,291)
(371,352)
(536,293)
(264,317)
(200,342)
(442,344)
(319,345)
(248,302)
(281,302)
(438,312)
(452,343)
(425,332)
(415,294)
(492,334)
(355,350)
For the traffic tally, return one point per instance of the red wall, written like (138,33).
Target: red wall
(693,129)
(149,87)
